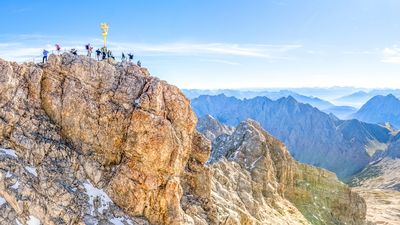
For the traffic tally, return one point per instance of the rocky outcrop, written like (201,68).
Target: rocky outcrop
(87,142)
(76,122)
(255,175)
(212,128)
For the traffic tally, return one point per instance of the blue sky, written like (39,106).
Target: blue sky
(223,44)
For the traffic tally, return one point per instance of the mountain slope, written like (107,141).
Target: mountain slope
(383,173)
(312,136)
(271,177)
(381,109)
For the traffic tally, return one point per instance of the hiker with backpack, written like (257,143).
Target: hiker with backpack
(123,58)
(89,50)
(104,54)
(98,53)
(139,63)
(130,56)
(45,53)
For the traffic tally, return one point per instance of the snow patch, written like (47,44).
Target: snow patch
(8,152)
(31,170)
(254,163)
(18,223)
(120,221)
(2,201)
(33,221)
(95,193)
(16,185)
(8,174)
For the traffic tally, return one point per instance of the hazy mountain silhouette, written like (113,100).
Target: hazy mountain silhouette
(381,109)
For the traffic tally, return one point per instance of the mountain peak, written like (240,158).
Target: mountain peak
(381,109)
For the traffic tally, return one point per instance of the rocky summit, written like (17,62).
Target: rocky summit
(88,142)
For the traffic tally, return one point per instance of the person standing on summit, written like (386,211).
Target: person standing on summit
(58,48)
(130,56)
(89,50)
(45,53)
(98,53)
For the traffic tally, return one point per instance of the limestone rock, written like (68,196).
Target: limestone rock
(81,124)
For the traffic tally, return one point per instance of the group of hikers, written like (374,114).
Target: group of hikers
(101,54)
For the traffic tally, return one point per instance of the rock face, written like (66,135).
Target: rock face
(381,109)
(313,137)
(212,128)
(74,121)
(254,173)
(87,142)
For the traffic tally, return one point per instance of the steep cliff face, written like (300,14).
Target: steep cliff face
(87,142)
(268,187)
(74,122)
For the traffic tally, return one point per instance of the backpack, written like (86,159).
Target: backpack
(87,47)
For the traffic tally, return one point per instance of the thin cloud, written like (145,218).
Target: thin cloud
(244,50)
(27,46)
(391,55)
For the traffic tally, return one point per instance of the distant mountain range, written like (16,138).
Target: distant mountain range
(381,109)
(357,99)
(312,136)
(342,112)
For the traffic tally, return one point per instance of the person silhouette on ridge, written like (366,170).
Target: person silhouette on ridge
(45,53)
(98,53)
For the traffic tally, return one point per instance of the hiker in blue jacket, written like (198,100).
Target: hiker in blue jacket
(45,53)
(98,53)
(130,56)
